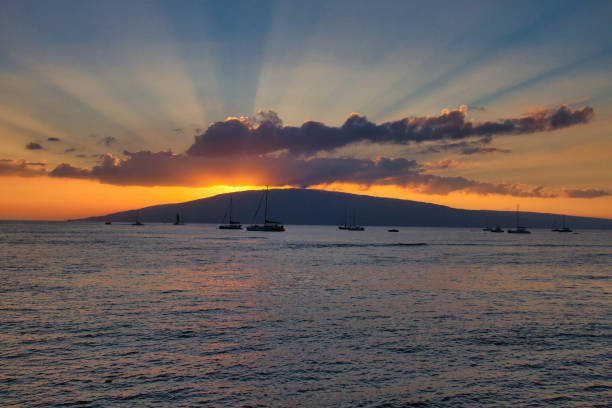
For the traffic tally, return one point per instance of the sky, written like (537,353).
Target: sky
(109,106)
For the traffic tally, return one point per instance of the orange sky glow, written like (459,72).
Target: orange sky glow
(62,199)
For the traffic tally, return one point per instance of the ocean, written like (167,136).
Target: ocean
(162,315)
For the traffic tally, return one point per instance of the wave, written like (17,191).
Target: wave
(307,245)
(588,277)
(513,244)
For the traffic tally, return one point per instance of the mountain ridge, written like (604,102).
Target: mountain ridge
(321,207)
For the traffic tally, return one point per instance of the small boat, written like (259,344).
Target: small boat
(519,229)
(563,228)
(232,225)
(486,228)
(393,230)
(496,228)
(268,225)
(179,220)
(137,222)
(107,223)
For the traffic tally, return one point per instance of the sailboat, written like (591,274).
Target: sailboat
(486,228)
(563,228)
(268,225)
(233,225)
(137,221)
(354,226)
(344,226)
(179,220)
(519,229)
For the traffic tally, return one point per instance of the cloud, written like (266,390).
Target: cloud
(265,132)
(53,139)
(431,184)
(70,150)
(147,168)
(108,140)
(34,146)
(486,150)
(177,130)
(443,164)
(66,170)
(587,193)
(21,168)
(261,150)
(480,146)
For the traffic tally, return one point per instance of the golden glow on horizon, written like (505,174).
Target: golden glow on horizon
(39,198)
(45,198)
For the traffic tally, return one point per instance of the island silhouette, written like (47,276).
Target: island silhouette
(319,207)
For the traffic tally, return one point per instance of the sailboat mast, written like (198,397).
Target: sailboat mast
(563,218)
(517,215)
(230,210)
(266,207)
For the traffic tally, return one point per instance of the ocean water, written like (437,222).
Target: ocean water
(163,315)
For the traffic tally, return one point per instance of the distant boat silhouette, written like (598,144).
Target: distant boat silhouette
(519,229)
(107,223)
(233,225)
(179,220)
(486,228)
(563,227)
(345,226)
(137,221)
(268,225)
(393,230)
(496,228)
(352,226)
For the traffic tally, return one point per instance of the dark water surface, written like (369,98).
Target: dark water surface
(162,315)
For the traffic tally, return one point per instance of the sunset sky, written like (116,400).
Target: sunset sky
(108,106)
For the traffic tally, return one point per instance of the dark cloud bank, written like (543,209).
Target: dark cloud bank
(261,150)
(34,146)
(266,133)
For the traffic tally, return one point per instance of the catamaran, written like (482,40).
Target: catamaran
(268,225)
(233,225)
